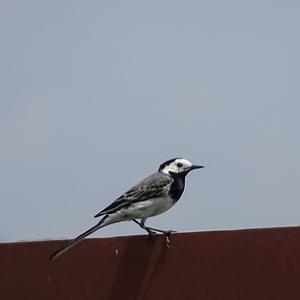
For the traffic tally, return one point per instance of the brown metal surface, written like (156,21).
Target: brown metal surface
(245,264)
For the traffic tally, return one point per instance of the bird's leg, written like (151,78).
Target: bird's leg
(167,233)
(152,230)
(142,225)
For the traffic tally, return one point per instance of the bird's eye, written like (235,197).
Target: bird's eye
(179,165)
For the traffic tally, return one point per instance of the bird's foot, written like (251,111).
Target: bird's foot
(153,231)
(169,232)
(150,232)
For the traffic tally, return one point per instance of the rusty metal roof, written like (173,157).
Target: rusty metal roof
(244,264)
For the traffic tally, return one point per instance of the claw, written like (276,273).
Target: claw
(151,232)
(168,232)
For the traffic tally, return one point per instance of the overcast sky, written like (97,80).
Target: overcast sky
(96,94)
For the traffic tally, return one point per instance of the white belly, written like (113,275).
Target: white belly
(147,208)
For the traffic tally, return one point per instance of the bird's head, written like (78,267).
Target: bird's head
(177,166)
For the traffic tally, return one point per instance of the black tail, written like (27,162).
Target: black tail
(72,243)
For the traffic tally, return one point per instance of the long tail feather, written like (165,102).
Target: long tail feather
(72,243)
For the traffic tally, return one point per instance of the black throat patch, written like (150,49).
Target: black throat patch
(177,187)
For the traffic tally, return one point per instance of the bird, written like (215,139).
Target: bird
(150,197)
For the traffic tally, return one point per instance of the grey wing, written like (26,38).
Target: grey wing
(152,186)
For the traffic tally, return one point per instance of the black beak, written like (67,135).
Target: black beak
(194,167)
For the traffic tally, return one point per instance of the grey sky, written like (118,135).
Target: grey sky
(96,94)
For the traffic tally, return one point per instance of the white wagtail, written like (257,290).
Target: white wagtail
(150,197)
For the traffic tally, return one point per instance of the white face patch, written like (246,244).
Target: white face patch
(178,166)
